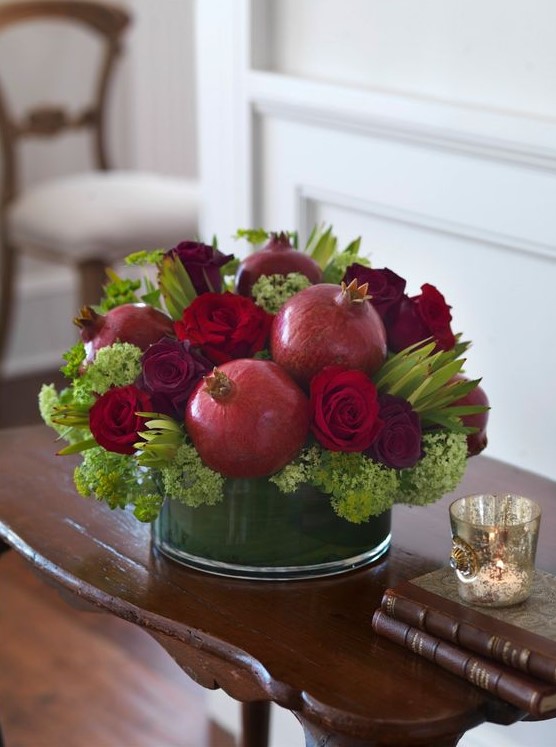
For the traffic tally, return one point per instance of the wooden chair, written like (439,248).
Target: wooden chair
(90,219)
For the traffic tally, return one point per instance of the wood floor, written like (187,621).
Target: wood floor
(74,678)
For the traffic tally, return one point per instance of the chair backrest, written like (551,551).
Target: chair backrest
(44,120)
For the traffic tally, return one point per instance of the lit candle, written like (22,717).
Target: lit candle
(497,535)
(497,583)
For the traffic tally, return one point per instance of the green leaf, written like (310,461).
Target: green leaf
(141,258)
(176,286)
(400,362)
(230,268)
(74,357)
(152,298)
(76,448)
(118,291)
(448,394)
(159,420)
(436,380)
(252,235)
(321,246)
(461,410)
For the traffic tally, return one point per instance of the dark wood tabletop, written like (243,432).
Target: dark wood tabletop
(306,645)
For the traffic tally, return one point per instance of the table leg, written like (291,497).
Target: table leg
(255,719)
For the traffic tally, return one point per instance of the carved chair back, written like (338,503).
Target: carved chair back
(50,120)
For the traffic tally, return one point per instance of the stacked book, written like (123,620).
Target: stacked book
(511,651)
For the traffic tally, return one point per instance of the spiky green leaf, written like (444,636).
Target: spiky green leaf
(88,443)
(176,286)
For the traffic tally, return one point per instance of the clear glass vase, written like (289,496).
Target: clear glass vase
(258,532)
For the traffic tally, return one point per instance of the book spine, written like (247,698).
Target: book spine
(476,639)
(515,688)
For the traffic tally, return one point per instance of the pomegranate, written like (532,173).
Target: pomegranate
(247,419)
(135,323)
(326,325)
(477,441)
(278,257)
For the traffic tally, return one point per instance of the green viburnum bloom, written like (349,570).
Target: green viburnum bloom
(301,470)
(272,291)
(188,480)
(117,480)
(438,473)
(116,365)
(359,488)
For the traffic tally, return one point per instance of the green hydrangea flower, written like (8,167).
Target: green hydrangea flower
(438,473)
(113,366)
(188,480)
(48,400)
(359,487)
(117,480)
(302,470)
(272,291)
(147,507)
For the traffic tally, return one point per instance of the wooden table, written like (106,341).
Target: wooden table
(305,645)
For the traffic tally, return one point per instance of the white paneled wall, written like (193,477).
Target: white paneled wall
(498,55)
(430,130)
(163,115)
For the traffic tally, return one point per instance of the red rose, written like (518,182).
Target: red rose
(421,317)
(225,326)
(385,287)
(435,312)
(398,444)
(344,409)
(113,420)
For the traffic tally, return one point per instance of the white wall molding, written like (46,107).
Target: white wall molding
(516,140)
(308,196)
(450,193)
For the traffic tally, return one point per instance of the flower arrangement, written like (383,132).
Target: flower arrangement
(300,366)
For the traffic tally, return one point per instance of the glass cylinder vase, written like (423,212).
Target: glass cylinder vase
(258,532)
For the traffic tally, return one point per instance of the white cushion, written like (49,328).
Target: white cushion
(105,214)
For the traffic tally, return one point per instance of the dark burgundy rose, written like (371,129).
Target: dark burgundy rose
(344,409)
(406,327)
(225,326)
(170,371)
(398,443)
(203,264)
(113,420)
(385,287)
(421,317)
(435,312)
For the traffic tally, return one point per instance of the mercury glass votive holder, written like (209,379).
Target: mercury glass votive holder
(494,543)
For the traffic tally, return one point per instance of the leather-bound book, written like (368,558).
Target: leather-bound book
(522,637)
(536,697)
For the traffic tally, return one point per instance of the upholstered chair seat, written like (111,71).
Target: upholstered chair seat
(103,215)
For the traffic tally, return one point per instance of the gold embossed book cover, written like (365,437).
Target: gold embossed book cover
(522,637)
(531,695)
